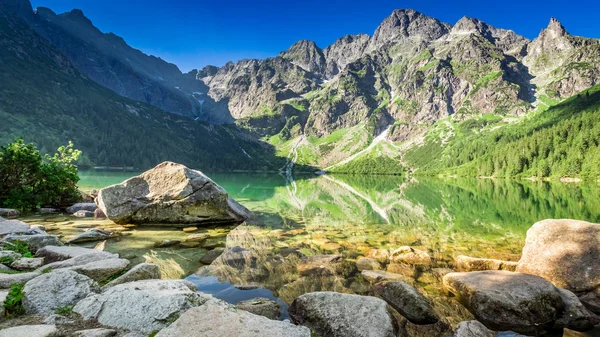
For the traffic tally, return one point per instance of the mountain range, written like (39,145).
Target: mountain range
(414,82)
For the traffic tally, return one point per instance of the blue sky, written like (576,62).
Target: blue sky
(193,34)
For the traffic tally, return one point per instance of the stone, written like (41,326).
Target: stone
(99,214)
(564,252)
(333,314)
(166,243)
(9,212)
(190,229)
(507,301)
(211,255)
(3,294)
(142,306)
(197,237)
(410,255)
(7,279)
(99,332)
(47,210)
(94,234)
(41,330)
(60,253)
(170,193)
(49,292)
(57,320)
(142,271)
(591,300)
(407,301)
(13,227)
(322,265)
(4,269)
(9,255)
(34,242)
(237,257)
(102,270)
(375,276)
(466,263)
(402,269)
(25,263)
(367,263)
(227,322)
(575,316)
(80,260)
(82,206)
(261,306)
(83,214)
(473,329)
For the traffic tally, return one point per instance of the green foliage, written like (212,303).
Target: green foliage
(297,105)
(18,246)
(65,310)
(371,165)
(28,180)
(424,55)
(13,304)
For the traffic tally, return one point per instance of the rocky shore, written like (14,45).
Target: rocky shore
(52,287)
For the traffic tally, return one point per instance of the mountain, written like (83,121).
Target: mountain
(45,98)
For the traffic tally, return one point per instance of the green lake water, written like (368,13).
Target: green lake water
(349,216)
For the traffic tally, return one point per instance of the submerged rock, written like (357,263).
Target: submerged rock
(217,319)
(467,263)
(49,292)
(367,263)
(322,265)
(407,301)
(211,255)
(94,234)
(565,252)
(82,206)
(143,306)
(375,276)
(170,193)
(332,314)
(260,306)
(410,255)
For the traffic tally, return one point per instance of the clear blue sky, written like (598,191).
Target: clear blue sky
(193,34)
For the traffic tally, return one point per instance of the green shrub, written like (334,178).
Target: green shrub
(65,310)
(18,246)
(12,304)
(29,180)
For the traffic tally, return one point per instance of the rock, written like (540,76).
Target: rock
(261,306)
(94,234)
(46,210)
(227,322)
(84,214)
(591,300)
(142,271)
(402,269)
(407,301)
(9,212)
(12,227)
(100,332)
(49,292)
(375,276)
(367,263)
(237,257)
(3,294)
(575,316)
(34,242)
(41,330)
(60,253)
(142,306)
(211,255)
(467,263)
(333,314)
(166,243)
(102,270)
(57,320)
(190,229)
(82,206)
(170,193)
(80,260)
(197,237)
(564,252)
(5,270)
(322,265)
(473,329)
(507,301)
(99,214)
(381,255)
(9,255)
(7,279)
(410,255)
(25,263)
(135,334)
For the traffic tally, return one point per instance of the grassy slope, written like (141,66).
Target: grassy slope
(47,101)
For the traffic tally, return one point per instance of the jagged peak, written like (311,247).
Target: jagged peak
(76,15)
(556,27)
(21,8)
(303,45)
(44,11)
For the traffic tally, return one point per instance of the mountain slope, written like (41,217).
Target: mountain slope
(45,99)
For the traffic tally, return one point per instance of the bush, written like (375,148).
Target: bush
(12,304)
(29,180)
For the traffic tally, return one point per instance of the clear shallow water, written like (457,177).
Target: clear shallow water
(350,215)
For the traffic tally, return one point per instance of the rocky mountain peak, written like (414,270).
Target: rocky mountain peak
(408,23)
(76,15)
(344,51)
(555,28)
(306,55)
(21,8)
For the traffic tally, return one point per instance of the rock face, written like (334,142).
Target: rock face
(261,306)
(143,306)
(506,301)
(565,252)
(217,319)
(407,301)
(332,314)
(170,194)
(48,292)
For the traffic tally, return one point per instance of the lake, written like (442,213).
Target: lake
(349,216)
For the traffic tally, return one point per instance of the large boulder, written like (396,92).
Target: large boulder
(332,314)
(102,270)
(142,271)
(61,253)
(407,301)
(170,193)
(34,242)
(507,301)
(41,330)
(7,279)
(565,252)
(80,260)
(25,263)
(49,292)
(217,319)
(12,227)
(142,306)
